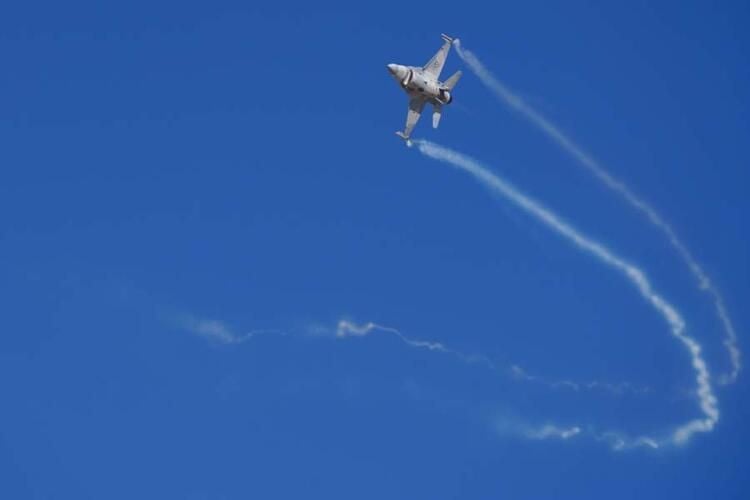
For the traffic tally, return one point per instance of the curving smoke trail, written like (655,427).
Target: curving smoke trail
(707,399)
(586,160)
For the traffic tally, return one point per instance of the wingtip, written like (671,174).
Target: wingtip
(448,38)
(405,137)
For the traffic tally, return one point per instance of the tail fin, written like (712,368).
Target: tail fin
(446,37)
(453,80)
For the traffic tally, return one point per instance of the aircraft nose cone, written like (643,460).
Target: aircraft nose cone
(392,68)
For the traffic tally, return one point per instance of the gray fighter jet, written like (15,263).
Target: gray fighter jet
(423,85)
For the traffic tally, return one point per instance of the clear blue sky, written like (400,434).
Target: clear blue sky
(168,163)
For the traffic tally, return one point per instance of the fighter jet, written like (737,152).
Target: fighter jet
(422,85)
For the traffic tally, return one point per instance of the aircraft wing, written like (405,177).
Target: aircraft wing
(412,116)
(435,65)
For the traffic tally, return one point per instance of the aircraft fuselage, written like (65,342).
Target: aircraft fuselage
(415,82)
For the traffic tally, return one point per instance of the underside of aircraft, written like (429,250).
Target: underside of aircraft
(423,85)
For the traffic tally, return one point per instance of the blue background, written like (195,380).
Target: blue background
(236,161)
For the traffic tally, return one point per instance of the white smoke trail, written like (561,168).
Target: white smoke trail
(550,431)
(222,333)
(346,328)
(618,389)
(707,400)
(219,331)
(583,158)
(513,426)
(620,442)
